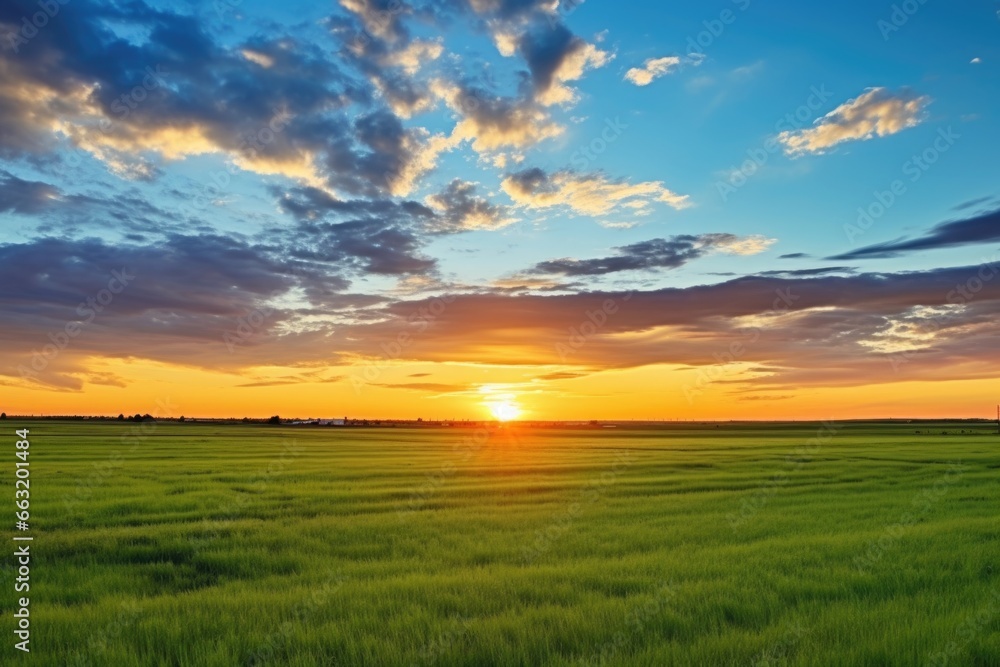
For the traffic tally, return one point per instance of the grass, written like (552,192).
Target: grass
(778,544)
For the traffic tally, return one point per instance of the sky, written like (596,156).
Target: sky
(467,209)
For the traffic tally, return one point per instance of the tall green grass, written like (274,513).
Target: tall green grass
(195,545)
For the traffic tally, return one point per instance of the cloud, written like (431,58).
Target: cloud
(879,112)
(460,209)
(183,295)
(380,18)
(151,98)
(404,97)
(278,105)
(366,246)
(795,332)
(738,245)
(655,254)
(390,58)
(57,211)
(515,9)
(805,273)
(651,70)
(376,154)
(261,59)
(493,123)
(436,387)
(554,57)
(335,128)
(270,106)
(506,42)
(315,377)
(381,236)
(983,228)
(561,375)
(26,197)
(185,289)
(587,194)
(978,201)
(417,54)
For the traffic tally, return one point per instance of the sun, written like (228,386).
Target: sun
(505,410)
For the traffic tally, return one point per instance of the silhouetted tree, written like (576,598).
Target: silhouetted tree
(3,415)
(121,417)
(274,420)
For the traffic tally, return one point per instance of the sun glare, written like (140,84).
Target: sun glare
(505,411)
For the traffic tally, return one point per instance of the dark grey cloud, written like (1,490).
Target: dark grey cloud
(544,49)
(981,229)
(554,55)
(57,212)
(205,274)
(367,246)
(532,181)
(178,300)
(27,197)
(653,254)
(378,236)
(820,271)
(371,156)
(459,208)
(310,204)
(796,332)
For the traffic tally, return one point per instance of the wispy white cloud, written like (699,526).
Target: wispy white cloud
(651,70)
(877,113)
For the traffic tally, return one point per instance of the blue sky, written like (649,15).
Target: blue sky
(600,154)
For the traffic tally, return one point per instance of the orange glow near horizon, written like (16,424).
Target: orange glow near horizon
(456,391)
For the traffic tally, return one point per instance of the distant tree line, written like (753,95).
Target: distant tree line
(137,418)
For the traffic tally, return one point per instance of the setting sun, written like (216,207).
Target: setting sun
(505,411)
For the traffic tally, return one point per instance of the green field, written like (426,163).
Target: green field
(186,544)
